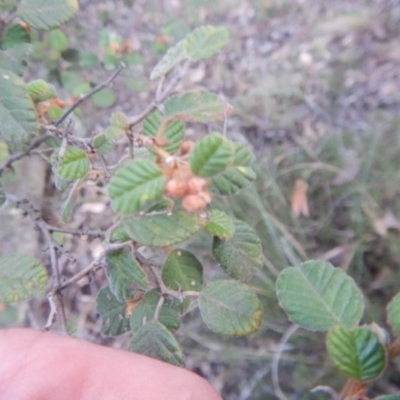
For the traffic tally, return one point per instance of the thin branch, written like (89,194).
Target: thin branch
(161,96)
(7,163)
(90,94)
(77,232)
(275,361)
(91,267)
(53,246)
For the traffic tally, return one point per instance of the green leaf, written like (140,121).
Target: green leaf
(220,225)
(119,120)
(71,55)
(17,112)
(114,320)
(145,310)
(393,312)
(156,341)
(211,155)
(174,132)
(102,144)
(388,397)
(205,42)
(230,308)
(47,14)
(240,255)
(21,277)
(40,90)
(135,184)
(88,59)
(238,175)
(201,106)
(356,353)
(242,155)
(182,271)
(58,40)
(2,195)
(173,57)
(162,230)
(124,274)
(74,164)
(15,58)
(105,98)
(318,296)
(14,36)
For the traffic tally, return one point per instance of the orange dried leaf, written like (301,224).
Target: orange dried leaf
(299,203)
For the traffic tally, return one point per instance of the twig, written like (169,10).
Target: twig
(53,246)
(93,265)
(7,163)
(158,308)
(275,362)
(89,94)
(77,232)
(161,96)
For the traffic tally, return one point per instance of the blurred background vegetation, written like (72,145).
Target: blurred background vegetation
(315,87)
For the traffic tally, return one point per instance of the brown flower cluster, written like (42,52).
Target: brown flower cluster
(183,184)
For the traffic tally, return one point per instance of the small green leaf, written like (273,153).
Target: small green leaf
(47,14)
(198,106)
(230,308)
(58,40)
(74,164)
(17,112)
(356,353)
(119,120)
(220,225)
(393,312)
(156,341)
(15,35)
(88,59)
(388,397)
(318,296)
(114,133)
(71,55)
(211,155)
(135,184)
(240,255)
(105,98)
(162,230)
(174,56)
(145,310)
(21,277)
(124,274)
(182,271)
(40,90)
(173,134)
(205,42)
(238,175)
(114,320)
(15,58)
(102,144)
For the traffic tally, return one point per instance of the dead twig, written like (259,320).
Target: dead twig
(7,163)
(90,94)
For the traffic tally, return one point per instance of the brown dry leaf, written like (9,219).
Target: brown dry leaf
(131,305)
(299,203)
